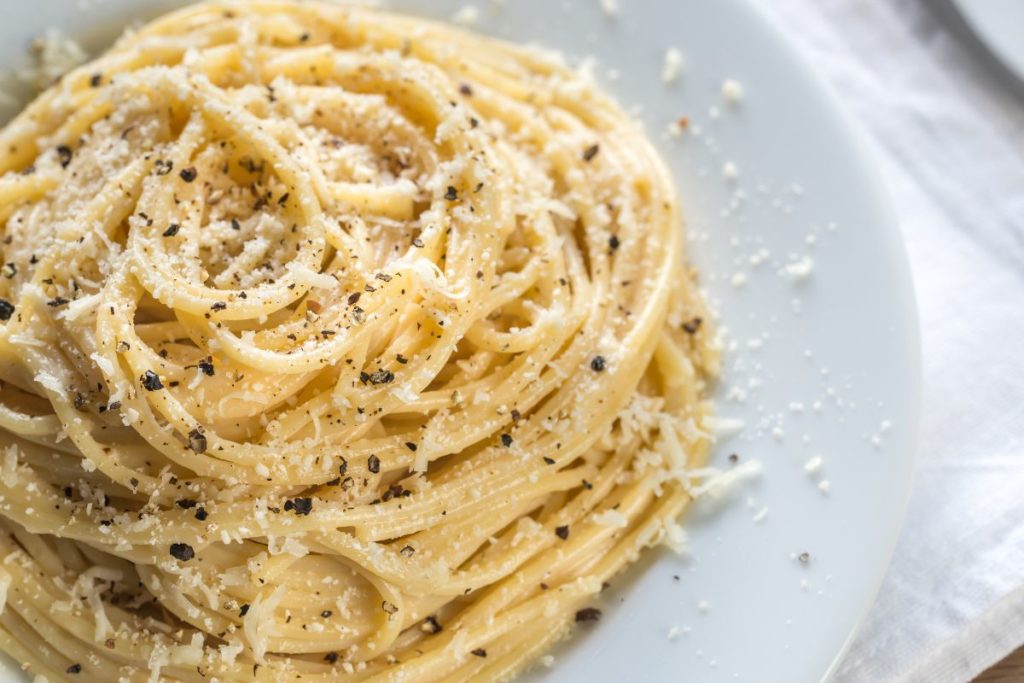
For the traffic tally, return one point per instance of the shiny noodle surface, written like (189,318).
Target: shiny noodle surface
(334,345)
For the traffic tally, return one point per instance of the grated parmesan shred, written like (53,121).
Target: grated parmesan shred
(722,427)
(466,16)
(671,65)
(54,55)
(719,484)
(258,623)
(5,582)
(611,518)
(9,469)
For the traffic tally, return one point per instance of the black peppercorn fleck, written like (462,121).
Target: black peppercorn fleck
(197,441)
(301,506)
(182,551)
(691,326)
(206,367)
(381,377)
(151,381)
(64,153)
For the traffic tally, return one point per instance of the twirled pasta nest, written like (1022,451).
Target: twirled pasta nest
(333,344)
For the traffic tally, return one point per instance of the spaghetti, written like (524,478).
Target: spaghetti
(334,345)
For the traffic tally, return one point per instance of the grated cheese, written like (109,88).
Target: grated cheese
(5,582)
(732,91)
(55,55)
(104,364)
(718,484)
(466,16)
(9,469)
(675,537)
(798,270)
(50,382)
(722,427)
(258,623)
(80,308)
(158,659)
(611,518)
(229,652)
(671,65)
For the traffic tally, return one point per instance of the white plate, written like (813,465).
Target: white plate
(999,25)
(843,339)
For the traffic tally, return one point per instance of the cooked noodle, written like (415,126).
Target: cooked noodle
(334,344)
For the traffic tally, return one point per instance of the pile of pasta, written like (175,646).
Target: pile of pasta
(334,345)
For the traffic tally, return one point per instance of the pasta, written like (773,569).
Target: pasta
(334,345)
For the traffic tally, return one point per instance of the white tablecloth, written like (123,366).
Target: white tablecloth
(949,134)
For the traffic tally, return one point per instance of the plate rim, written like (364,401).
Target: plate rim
(862,157)
(866,158)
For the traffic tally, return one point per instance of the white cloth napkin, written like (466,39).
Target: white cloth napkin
(949,136)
